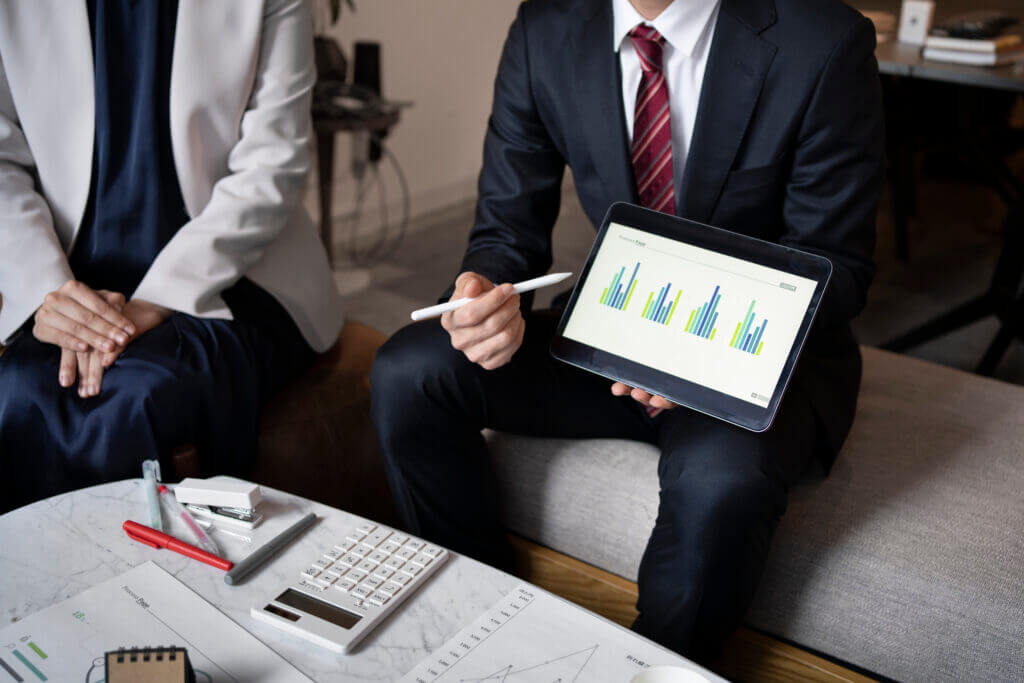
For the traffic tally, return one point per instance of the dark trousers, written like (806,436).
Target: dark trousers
(722,488)
(187,381)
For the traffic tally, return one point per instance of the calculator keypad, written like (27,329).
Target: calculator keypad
(372,565)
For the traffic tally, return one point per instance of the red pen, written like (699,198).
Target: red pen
(157,539)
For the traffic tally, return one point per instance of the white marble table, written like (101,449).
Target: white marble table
(56,548)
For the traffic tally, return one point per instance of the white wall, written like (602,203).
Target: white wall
(442,55)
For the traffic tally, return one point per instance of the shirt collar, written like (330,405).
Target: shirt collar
(682,22)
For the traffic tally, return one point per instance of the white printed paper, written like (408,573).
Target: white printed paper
(533,636)
(144,607)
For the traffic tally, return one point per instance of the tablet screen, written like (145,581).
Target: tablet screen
(719,321)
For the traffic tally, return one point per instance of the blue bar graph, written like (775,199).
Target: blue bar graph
(748,338)
(703,320)
(659,308)
(617,294)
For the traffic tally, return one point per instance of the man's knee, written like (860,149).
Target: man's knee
(414,359)
(723,499)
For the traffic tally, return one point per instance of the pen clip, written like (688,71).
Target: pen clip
(140,539)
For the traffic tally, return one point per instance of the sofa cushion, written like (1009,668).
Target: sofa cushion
(908,560)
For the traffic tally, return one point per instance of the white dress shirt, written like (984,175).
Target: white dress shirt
(688,27)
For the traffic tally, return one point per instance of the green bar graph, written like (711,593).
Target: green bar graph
(659,308)
(702,320)
(35,648)
(747,337)
(618,292)
(675,305)
(630,295)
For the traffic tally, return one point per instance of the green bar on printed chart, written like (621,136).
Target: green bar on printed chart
(759,347)
(736,334)
(35,648)
(604,294)
(713,333)
(690,321)
(647,305)
(28,665)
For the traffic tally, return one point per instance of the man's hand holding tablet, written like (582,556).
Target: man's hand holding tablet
(650,400)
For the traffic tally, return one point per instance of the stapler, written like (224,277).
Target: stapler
(233,503)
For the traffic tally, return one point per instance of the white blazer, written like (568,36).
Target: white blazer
(241,81)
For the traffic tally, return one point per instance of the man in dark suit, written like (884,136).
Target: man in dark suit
(759,116)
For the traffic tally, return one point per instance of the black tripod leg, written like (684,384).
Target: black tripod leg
(900,152)
(1012,327)
(995,351)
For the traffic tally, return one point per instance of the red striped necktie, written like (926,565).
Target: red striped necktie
(652,125)
(652,131)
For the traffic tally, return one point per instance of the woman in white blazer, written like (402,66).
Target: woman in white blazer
(159,278)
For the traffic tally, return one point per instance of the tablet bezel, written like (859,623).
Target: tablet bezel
(684,392)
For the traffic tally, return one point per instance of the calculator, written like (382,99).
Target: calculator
(346,591)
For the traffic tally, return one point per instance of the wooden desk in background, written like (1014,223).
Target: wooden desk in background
(902,65)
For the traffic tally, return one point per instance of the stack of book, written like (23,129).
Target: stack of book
(976,38)
(997,51)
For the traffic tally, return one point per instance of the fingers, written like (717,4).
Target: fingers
(118,301)
(95,376)
(489,330)
(75,318)
(641,396)
(90,373)
(66,375)
(481,308)
(662,402)
(468,285)
(499,349)
(471,284)
(83,373)
(52,335)
(54,326)
(115,299)
(93,302)
(620,389)
(465,337)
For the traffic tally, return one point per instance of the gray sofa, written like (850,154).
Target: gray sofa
(906,561)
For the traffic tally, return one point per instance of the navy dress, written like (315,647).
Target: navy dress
(187,381)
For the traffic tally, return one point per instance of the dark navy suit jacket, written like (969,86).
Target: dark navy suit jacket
(787,147)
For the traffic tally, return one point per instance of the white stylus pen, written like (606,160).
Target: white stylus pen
(519,288)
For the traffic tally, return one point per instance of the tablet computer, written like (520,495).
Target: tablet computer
(707,318)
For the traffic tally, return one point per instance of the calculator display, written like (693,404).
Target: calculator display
(319,608)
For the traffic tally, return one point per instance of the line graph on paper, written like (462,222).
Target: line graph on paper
(531,636)
(567,668)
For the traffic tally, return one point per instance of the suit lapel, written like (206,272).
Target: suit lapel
(598,93)
(737,65)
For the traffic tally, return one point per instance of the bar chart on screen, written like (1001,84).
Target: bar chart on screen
(747,337)
(649,276)
(702,320)
(660,305)
(618,293)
